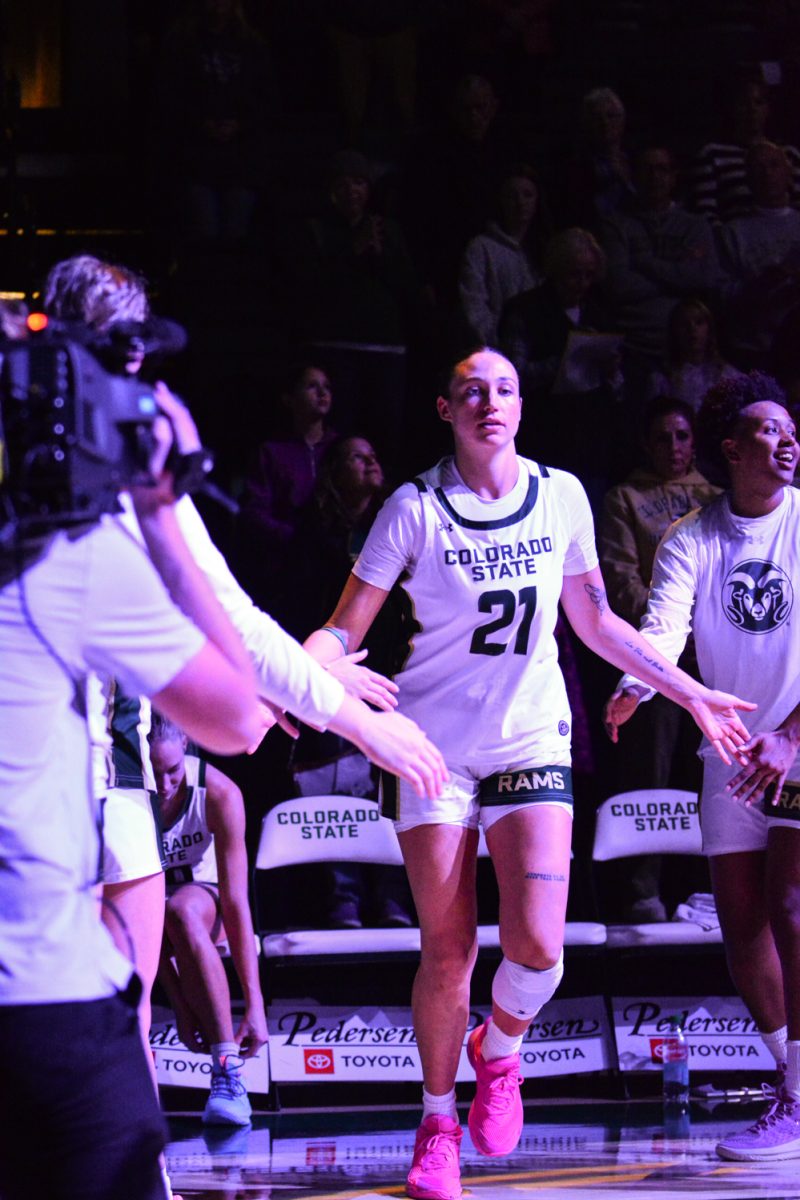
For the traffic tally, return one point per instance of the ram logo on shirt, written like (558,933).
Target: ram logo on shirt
(757,596)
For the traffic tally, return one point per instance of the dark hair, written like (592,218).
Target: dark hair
(448,370)
(722,408)
(665,406)
(163,730)
(327,497)
(293,374)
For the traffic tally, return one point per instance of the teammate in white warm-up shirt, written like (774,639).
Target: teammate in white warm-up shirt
(730,573)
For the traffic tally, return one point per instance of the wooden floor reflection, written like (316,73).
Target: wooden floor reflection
(582,1150)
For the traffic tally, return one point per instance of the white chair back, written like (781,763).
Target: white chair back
(326,829)
(650,821)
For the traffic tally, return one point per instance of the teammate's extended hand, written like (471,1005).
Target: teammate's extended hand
(770,758)
(717,715)
(362,682)
(271,715)
(398,745)
(619,708)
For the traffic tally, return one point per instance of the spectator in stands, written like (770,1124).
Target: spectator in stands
(598,181)
(374,46)
(693,361)
(330,533)
(507,258)
(760,255)
(636,514)
(202,822)
(516,41)
(214,108)
(287,468)
(535,331)
(656,254)
(450,183)
(356,296)
(720,187)
(730,573)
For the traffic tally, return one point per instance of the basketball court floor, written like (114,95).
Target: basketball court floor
(577,1150)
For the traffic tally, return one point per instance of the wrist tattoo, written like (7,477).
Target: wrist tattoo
(651,662)
(596,595)
(545,877)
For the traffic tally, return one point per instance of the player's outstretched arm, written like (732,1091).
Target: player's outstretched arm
(716,713)
(387,738)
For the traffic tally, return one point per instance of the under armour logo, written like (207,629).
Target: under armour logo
(445,527)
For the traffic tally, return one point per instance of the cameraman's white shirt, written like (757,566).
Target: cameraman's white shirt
(94,603)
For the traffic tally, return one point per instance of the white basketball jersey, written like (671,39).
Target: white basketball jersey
(484,578)
(188,844)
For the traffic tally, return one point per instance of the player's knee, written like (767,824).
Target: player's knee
(183,924)
(450,955)
(537,949)
(522,991)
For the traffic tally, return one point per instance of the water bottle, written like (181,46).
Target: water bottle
(675,1067)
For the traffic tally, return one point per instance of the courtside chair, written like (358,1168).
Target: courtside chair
(651,821)
(317,829)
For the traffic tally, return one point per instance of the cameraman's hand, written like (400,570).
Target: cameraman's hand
(187,439)
(174,426)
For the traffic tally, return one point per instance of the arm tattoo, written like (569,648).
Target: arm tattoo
(597,597)
(543,875)
(651,662)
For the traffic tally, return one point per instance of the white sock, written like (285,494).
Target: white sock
(497,1044)
(439,1106)
(792,1084)
(776,1043)
(220,1052)
(166,1181)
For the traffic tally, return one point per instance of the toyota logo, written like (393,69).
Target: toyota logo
(318,1062)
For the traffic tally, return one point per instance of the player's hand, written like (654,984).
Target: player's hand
(398,745)
(362,682)
(717,715)
(770,759)
(252,1032)
(619,708)
(271,715)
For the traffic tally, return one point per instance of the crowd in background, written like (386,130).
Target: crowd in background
(344,200)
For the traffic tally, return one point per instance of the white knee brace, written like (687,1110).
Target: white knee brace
(523,991)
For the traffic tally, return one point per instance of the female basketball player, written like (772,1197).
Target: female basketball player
(485,545)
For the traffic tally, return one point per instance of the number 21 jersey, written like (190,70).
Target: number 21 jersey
(483,578)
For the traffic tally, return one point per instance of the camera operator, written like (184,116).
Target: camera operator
(72,1060)
(102,295)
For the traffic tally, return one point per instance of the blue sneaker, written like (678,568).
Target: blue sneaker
(228,1103)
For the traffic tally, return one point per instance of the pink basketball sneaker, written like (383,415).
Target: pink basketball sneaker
(495,1115)
(435,1172)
